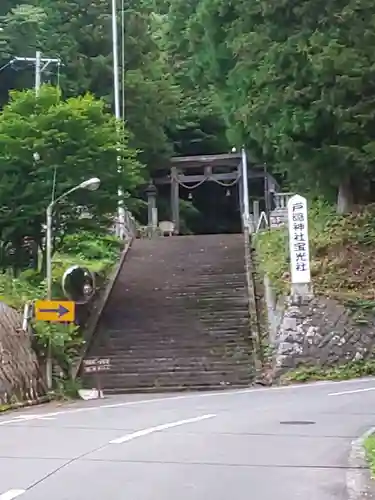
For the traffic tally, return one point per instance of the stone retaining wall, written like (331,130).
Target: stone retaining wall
(317,331)
(20,376)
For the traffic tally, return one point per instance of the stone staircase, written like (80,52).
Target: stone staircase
(177,317)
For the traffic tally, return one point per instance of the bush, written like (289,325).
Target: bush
(92,246)
(342,252)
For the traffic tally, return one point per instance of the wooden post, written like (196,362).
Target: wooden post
(175,199)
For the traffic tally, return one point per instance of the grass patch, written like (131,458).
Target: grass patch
(342,256)
(96,252)
(346,371)
(369,445)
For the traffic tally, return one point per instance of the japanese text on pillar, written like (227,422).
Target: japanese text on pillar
(299,240)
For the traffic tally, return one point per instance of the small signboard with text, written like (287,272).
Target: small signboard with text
(278,218)
(96,365)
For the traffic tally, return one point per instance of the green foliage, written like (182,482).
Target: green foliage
(67,388)
(295,80)
(74,140)
(64,341)
(94,251)
(167,109)
(370,453)
(16,292)
(347,371)
(79,32)
(200,127)
(89,245)
(342,255)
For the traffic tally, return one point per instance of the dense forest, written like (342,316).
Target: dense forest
(291,80)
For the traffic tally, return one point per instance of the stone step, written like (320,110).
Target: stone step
(116,345)
(178,358)
(204,309)
(188,322)
(177,317)
(163,378)
(120,366)
(182,338)
(171,350)
(183,335)
(177,352)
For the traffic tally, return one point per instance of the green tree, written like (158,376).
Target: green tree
(75,139)
(200,127)
(79,32)
(296,83)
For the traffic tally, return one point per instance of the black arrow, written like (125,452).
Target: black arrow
(60,310)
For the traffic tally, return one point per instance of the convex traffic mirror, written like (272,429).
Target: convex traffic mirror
(78,284)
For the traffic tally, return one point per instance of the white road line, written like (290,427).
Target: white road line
(229,393)
(7,422)
(9,495)
(44,416)
(158,428)
(366,389)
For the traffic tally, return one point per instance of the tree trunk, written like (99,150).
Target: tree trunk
(345,197)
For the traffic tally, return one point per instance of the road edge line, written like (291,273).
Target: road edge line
(11,494)
(359,483)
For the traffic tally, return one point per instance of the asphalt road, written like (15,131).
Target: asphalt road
(266,444)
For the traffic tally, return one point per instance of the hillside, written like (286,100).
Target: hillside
(342,251)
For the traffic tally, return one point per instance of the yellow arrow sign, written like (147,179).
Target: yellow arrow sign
(55,310)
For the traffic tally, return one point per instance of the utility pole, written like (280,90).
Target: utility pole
(38,72)
(41,64)
(38,61)
(120,227)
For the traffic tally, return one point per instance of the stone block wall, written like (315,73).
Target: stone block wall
(317,331)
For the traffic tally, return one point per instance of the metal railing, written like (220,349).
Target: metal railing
(281,200)
(128,228)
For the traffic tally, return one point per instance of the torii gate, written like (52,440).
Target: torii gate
(228,173)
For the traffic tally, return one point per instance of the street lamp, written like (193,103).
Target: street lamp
(92,185)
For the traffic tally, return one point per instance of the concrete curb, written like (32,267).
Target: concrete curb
(359,483)
(90,329)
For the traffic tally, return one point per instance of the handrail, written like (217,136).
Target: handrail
(130,225)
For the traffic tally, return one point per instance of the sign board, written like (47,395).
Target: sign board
(96,365)
(55,310)
(278,218)
(299,240)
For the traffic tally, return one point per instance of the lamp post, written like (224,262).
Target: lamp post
(120,226)
(92,185)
